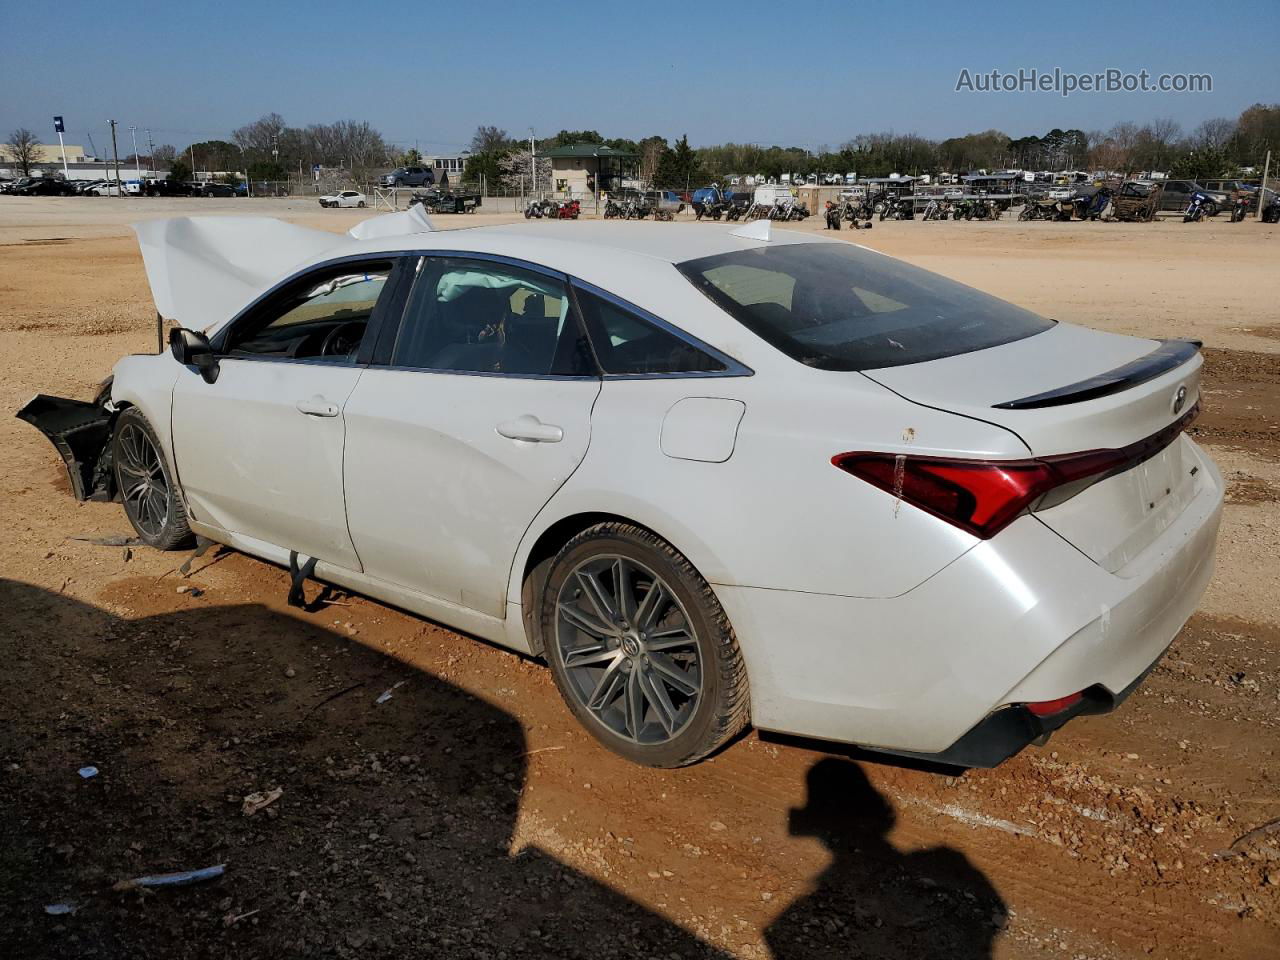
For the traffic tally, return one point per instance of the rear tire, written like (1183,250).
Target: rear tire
(656,677)
(147,489)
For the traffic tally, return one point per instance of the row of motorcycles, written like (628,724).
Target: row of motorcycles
(939,208)
(1068,208)
(553,210)
(635,208)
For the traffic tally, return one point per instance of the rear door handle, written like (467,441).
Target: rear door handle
(318,407)
(528,427)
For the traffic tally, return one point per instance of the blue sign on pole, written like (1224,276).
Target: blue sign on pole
(58,126)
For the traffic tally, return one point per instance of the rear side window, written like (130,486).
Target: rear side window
(627,343)
(838,307)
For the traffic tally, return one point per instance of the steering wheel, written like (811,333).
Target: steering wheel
(343,339)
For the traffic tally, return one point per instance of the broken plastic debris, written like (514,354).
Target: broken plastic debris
(386,694)
(115,540)
(260,800)
(180,879)
(59,909)
(88,772)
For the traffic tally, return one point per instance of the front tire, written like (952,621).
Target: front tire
(147,489)
(640,648)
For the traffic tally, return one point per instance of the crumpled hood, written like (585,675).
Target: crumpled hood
(204,270)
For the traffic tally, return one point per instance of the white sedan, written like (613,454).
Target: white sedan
(343,198)
(714,477)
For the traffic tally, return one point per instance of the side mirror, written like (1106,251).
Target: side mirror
(192,349)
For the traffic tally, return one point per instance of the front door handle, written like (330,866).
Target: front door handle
(318,407)
(528,427)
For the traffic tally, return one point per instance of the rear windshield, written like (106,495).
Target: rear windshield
(838,307)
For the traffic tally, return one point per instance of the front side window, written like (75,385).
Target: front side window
(476,316)
(838,307)
(321,316)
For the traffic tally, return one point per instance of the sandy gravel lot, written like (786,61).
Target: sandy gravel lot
(468,816)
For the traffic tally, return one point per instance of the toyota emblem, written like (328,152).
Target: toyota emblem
(1179,399)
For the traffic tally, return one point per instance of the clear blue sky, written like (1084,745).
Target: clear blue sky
(808,74)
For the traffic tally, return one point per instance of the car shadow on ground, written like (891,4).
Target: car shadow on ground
(393,836)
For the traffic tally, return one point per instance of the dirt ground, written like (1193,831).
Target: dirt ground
(468,816)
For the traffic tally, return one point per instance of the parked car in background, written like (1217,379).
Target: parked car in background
(1177,195)
(214,189)
(343,198)
(166,188)
(105,188)
(408,177)
(45,187)
(1230,186)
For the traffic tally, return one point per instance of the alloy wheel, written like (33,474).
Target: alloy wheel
(629,649)
(143,485)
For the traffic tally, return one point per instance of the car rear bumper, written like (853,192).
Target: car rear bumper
(941,671)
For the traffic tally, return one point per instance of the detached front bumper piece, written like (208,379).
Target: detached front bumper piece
(81,433)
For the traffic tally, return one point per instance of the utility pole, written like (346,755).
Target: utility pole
(192,149)
(151,150)
(1262,188)
(248,184)
(533,171)
(137,164)
(115,153)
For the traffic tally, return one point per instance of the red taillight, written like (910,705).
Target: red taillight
(984,496)
(1047,708)
(980,496)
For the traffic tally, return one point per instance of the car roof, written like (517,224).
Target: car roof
(546,241)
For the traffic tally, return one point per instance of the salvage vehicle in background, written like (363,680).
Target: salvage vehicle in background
(343,198)
(408,177)
(446,201)
(714,477)
(1178,195)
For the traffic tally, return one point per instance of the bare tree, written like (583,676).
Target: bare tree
(1214,134)
(1165,130)
(263,135)
(164,154)
(23,149)
(489,139)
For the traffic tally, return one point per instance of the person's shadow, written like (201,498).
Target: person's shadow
(875,901)
(394,836)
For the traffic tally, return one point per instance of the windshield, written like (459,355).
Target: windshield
(836,306)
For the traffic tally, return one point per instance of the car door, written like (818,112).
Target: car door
(259,450)
(481,414)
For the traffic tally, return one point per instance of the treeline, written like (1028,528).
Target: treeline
(1215,148)
(270,149)
(1218,147)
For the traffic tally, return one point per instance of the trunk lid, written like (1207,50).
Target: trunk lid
(1068,390)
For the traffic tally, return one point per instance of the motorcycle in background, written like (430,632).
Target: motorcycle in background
(1241,204)
(899,208)
(1200,205)
(937,209)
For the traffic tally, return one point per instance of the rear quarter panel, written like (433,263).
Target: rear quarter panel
(776,513)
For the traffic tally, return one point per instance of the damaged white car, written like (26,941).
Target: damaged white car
(714,477)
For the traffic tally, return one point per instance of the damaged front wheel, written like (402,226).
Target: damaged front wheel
(145,482)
